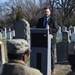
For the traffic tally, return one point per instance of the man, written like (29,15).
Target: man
(48,22)
(18,53)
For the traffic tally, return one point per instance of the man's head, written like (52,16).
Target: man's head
(17,49)
(47,12)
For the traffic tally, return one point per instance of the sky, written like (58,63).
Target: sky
(3,1)
(7,0)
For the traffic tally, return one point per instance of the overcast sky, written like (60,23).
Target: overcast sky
(7,0)
(3,0)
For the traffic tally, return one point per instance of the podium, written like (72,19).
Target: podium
(40,44)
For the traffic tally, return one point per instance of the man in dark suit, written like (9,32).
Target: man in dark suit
(48,22)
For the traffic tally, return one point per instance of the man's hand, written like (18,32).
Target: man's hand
(47,27)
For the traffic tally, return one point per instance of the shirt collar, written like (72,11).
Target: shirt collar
(17,61)
(46,18)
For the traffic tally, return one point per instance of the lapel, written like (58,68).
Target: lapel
(50,22)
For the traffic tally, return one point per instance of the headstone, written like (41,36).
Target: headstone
(22,30)
(62,51)
(73,36)
(71,28)
(64,29)
(69,32)
(65,37)
(71,48)
(13,33)
(0,36)
(4,33)
(62,48)
(59,34)
(9,37)
(71,55)
(2,53)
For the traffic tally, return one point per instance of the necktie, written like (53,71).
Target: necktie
(45,22)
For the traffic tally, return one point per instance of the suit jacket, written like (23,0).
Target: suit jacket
(53,27)
(18,67)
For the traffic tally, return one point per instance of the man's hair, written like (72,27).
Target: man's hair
(47,7)
(17,56)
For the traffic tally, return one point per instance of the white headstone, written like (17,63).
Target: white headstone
(71,28)
(0,36)
(74,29)
(73,36)
(4,33)
(13,33)
(59,34)
(2,53)
(69,32)
(64,29)
(9,34)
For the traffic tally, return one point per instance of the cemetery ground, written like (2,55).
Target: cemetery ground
(61,68)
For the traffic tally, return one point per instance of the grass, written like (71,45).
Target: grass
(57,39)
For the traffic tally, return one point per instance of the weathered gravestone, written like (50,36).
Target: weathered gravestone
(62,48)
(22,30)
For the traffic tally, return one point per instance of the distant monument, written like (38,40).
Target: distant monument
(22,29)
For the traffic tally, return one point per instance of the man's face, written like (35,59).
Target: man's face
(47,12)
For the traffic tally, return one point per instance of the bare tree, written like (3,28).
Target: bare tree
(66,8)
(32,10)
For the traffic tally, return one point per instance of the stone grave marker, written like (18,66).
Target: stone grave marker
(73,36)
(59,34)
(62,48)
(22,30)
(64,29)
